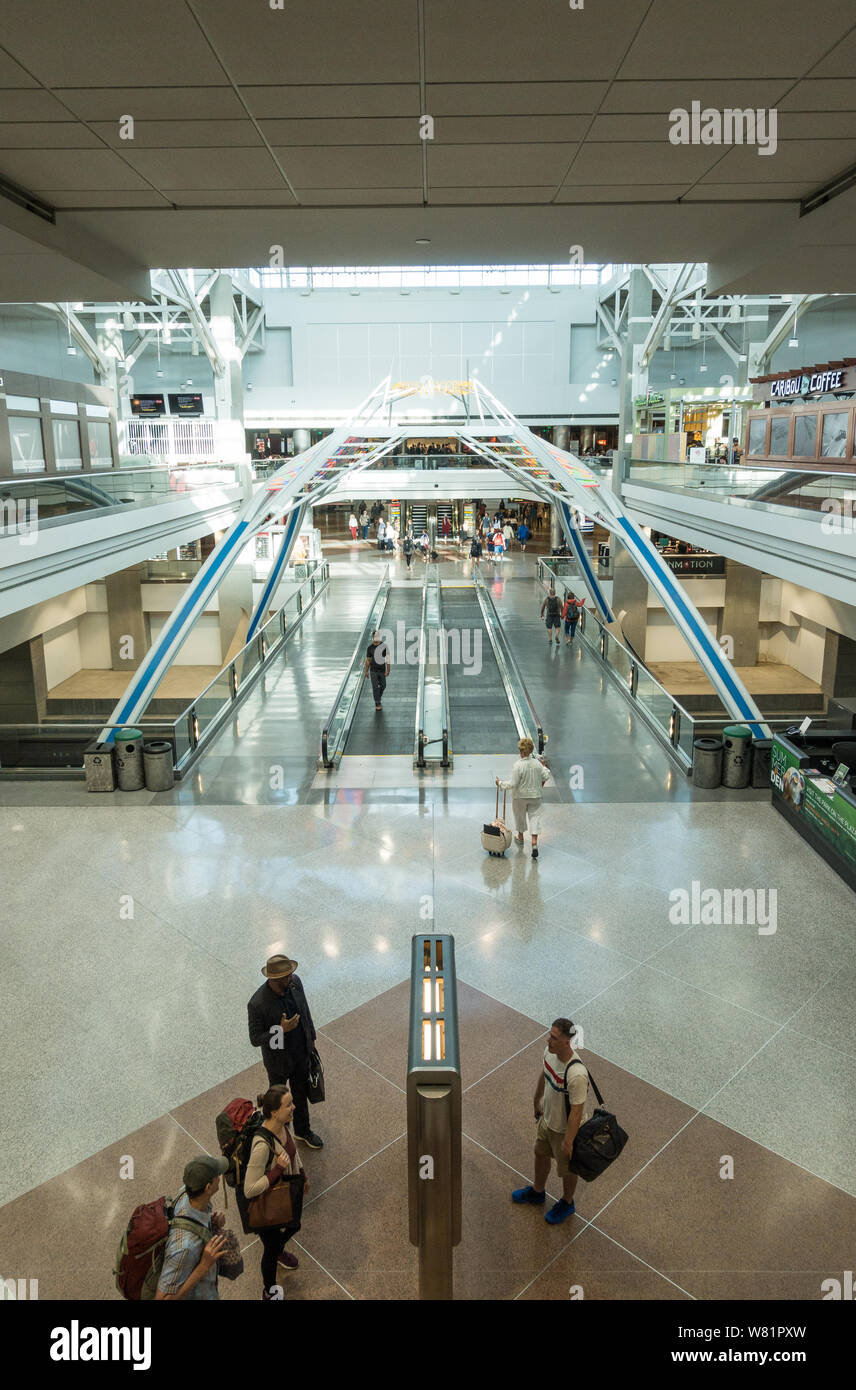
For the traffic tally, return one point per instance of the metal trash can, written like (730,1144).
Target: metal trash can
(737,755)
(762,749)
(129,760)
(707,762)
(98,769)
(157,764)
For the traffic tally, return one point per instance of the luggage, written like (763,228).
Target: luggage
(315,1089)
(599,1141)
(139,1259)
(496,837)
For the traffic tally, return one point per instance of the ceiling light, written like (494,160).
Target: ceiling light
(703,367)
(423,241)
(249,386)
(673,376)
(452,291)
(683,381)
(407,291)
(613,382)
(71,350)
(793,342)
(159,372)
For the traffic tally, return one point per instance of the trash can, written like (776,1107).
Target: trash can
(157,764)
(761,753)
(129,760)
(737,755)
(98,769)
(707,762)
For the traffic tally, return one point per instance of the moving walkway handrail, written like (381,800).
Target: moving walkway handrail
(328,759)
(421,740)
(420,680)
(508,669)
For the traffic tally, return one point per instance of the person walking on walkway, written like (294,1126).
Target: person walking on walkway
(189,1269)
(364,524)
(273,1155)
(553,611)
(281,1025)
(352,526)
(381,533)
(407,548)
(475,549)
(560,1099)
(523,534)
(571,616)
(526,785)
(377,667)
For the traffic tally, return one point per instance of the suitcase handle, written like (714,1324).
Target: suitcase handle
(504,799)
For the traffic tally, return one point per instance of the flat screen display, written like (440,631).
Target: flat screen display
(147,405)
(184,404)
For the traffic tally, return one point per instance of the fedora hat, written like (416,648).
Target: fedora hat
(276,967)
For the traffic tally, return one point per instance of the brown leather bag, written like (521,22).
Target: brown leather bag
(281,1205)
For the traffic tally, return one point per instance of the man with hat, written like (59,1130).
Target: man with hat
(281,1025)
(189,1269)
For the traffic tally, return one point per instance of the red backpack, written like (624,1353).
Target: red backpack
(236,1126)
(139,1259)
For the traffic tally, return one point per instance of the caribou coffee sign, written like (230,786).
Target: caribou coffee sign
(805,384)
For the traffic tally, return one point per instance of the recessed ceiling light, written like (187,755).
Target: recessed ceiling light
(423,241)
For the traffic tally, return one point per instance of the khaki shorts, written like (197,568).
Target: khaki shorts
(548,1144)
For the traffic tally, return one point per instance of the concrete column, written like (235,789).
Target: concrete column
(125,618)
(235,595)
(739,619)
(562,436)
(302,440)
(633,379)
(228,388)
(23,683)
(555,528)
(630,597)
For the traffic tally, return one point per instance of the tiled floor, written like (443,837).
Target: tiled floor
(135,927)
(669,1220)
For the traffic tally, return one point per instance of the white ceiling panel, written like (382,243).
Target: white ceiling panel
(152,103)
(323,101)
(38,105)
(360,197)
(160,45)
(172,170)
(746,192)
(509,130)
(343,130)
(841,62)
(327,41)
(178,135)
(794,160)
(514,98)
(68,169)
(622,193)
(541,193)
(827,94)
(496,165)
(47,135)
(380,166)
(538,40)
(656,94)
(638,163)
(767,38)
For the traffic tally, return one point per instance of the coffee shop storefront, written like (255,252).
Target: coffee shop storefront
(805,419)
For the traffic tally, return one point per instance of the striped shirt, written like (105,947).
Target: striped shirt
(554,1088)
(184,1251)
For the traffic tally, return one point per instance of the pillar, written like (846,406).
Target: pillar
(555,528)
(302,440)
(630,597)
(23,683)
(228,388)
(739,619)
(126,623)
(562,436)
(235,607)
(633,376)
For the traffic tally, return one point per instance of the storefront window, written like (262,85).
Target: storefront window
(834,438)
(100,453)
(805,436)
(66,435)
(28,448)
(780,428)
(757,436)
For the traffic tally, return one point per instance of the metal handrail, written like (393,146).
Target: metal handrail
(421,740)
(444,683)
(327,760)
(420,680)
(508,668)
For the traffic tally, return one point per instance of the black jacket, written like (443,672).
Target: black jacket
(264,1012)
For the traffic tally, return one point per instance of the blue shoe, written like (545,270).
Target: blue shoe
(560,1212)
(528,1194)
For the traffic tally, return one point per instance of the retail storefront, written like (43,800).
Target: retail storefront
(806,417)
(669,423)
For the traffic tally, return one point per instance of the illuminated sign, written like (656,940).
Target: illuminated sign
(805,385)
(428,387)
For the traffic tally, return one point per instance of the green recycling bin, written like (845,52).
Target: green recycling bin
(129,760)
(736,755)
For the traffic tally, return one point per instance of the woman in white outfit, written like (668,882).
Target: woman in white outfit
(528,777)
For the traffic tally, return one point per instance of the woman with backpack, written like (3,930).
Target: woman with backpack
(273,1156)
(571,616)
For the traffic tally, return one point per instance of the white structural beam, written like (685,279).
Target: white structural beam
(81,336)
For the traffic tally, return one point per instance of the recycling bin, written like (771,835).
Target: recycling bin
(129,760)
(736,756)
(98,769)
(707,762)
(158,766)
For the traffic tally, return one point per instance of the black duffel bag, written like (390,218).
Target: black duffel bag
(599,1141)
(315,1088)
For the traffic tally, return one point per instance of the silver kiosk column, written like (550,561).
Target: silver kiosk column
(434,1113)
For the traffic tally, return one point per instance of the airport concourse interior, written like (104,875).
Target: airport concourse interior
(428,660)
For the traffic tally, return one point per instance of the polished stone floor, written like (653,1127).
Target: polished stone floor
(135,928)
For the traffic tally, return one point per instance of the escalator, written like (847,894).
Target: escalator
(391,730)
(482,719)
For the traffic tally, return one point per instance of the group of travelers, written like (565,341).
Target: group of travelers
(557,611)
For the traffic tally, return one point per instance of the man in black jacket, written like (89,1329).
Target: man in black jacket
(281,1025)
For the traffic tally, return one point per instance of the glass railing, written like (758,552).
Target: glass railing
(334,735)
(47,501)
(811,491)
(674,726)
(525,717)
(61,743)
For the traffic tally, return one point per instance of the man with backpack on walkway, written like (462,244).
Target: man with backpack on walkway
(553,610)
(189,1269)
(560,1098)
(407,548)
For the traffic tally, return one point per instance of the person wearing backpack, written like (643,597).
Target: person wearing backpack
(551,604)
(560,1098)
(523,534)
(408,548)
(273,1155)
(189,1269)
(571,616)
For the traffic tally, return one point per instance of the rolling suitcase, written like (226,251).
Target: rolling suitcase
(496,837)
